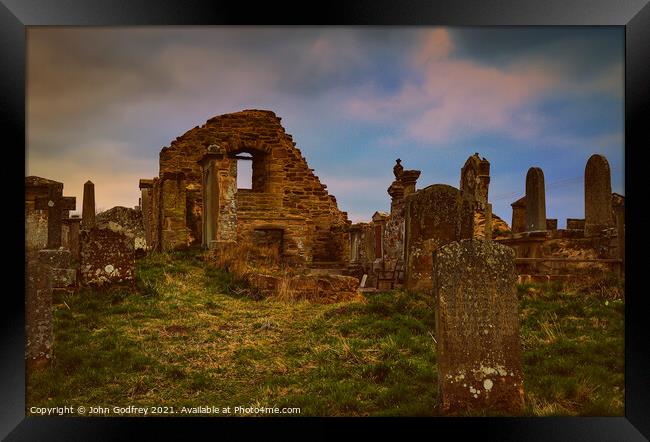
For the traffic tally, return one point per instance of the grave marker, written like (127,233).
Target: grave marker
(477,328)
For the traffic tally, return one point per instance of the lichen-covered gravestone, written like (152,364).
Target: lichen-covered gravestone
(435,216)
(48,271)
(477,329)
(107,255)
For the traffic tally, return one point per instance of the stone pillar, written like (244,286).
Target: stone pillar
(518,224)
(88,208)
(145,204)
(408,178)
(535,200)
(155,217)
(477,328)
(226,202)
(42,274)
(210,194)
(174,231)
(598,195)
(396,192)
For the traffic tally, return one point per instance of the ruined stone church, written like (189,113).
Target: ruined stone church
(195,198)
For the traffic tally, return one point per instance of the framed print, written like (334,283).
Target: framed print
(375,210)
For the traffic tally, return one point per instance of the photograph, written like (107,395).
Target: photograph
(325,221)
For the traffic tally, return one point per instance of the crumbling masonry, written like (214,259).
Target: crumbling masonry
(195,199)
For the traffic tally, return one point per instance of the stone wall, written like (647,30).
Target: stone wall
(285,191)
(174,233)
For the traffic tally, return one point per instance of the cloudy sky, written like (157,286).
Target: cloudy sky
(102,102)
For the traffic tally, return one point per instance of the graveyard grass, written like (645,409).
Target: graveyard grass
(182,338)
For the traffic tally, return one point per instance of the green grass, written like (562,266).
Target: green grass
(184,337)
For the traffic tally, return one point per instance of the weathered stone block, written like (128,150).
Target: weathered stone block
(551,224)
(477,328)
(59,259)
(63,277)
(575,224)
(107,255)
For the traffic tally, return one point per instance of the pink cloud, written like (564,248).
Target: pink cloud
(455,97)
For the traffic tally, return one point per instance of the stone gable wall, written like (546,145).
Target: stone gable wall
(290,189)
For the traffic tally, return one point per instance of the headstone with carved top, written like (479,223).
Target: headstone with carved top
(55,204)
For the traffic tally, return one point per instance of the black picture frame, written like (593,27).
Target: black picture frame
(634,15)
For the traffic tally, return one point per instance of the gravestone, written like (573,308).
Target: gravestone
(598,195)
(435,216)
(48,271)
(88,209)
(107,255)
(519,215)
(55,204)
(72,242)
(535,200)
(477,328)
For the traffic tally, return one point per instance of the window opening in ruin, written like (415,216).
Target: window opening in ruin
(244,171)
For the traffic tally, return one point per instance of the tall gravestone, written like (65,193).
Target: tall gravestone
(598,195)
(88,208)
(518,224)
(535,200)
(51,270)
(477,328)
(72,242)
